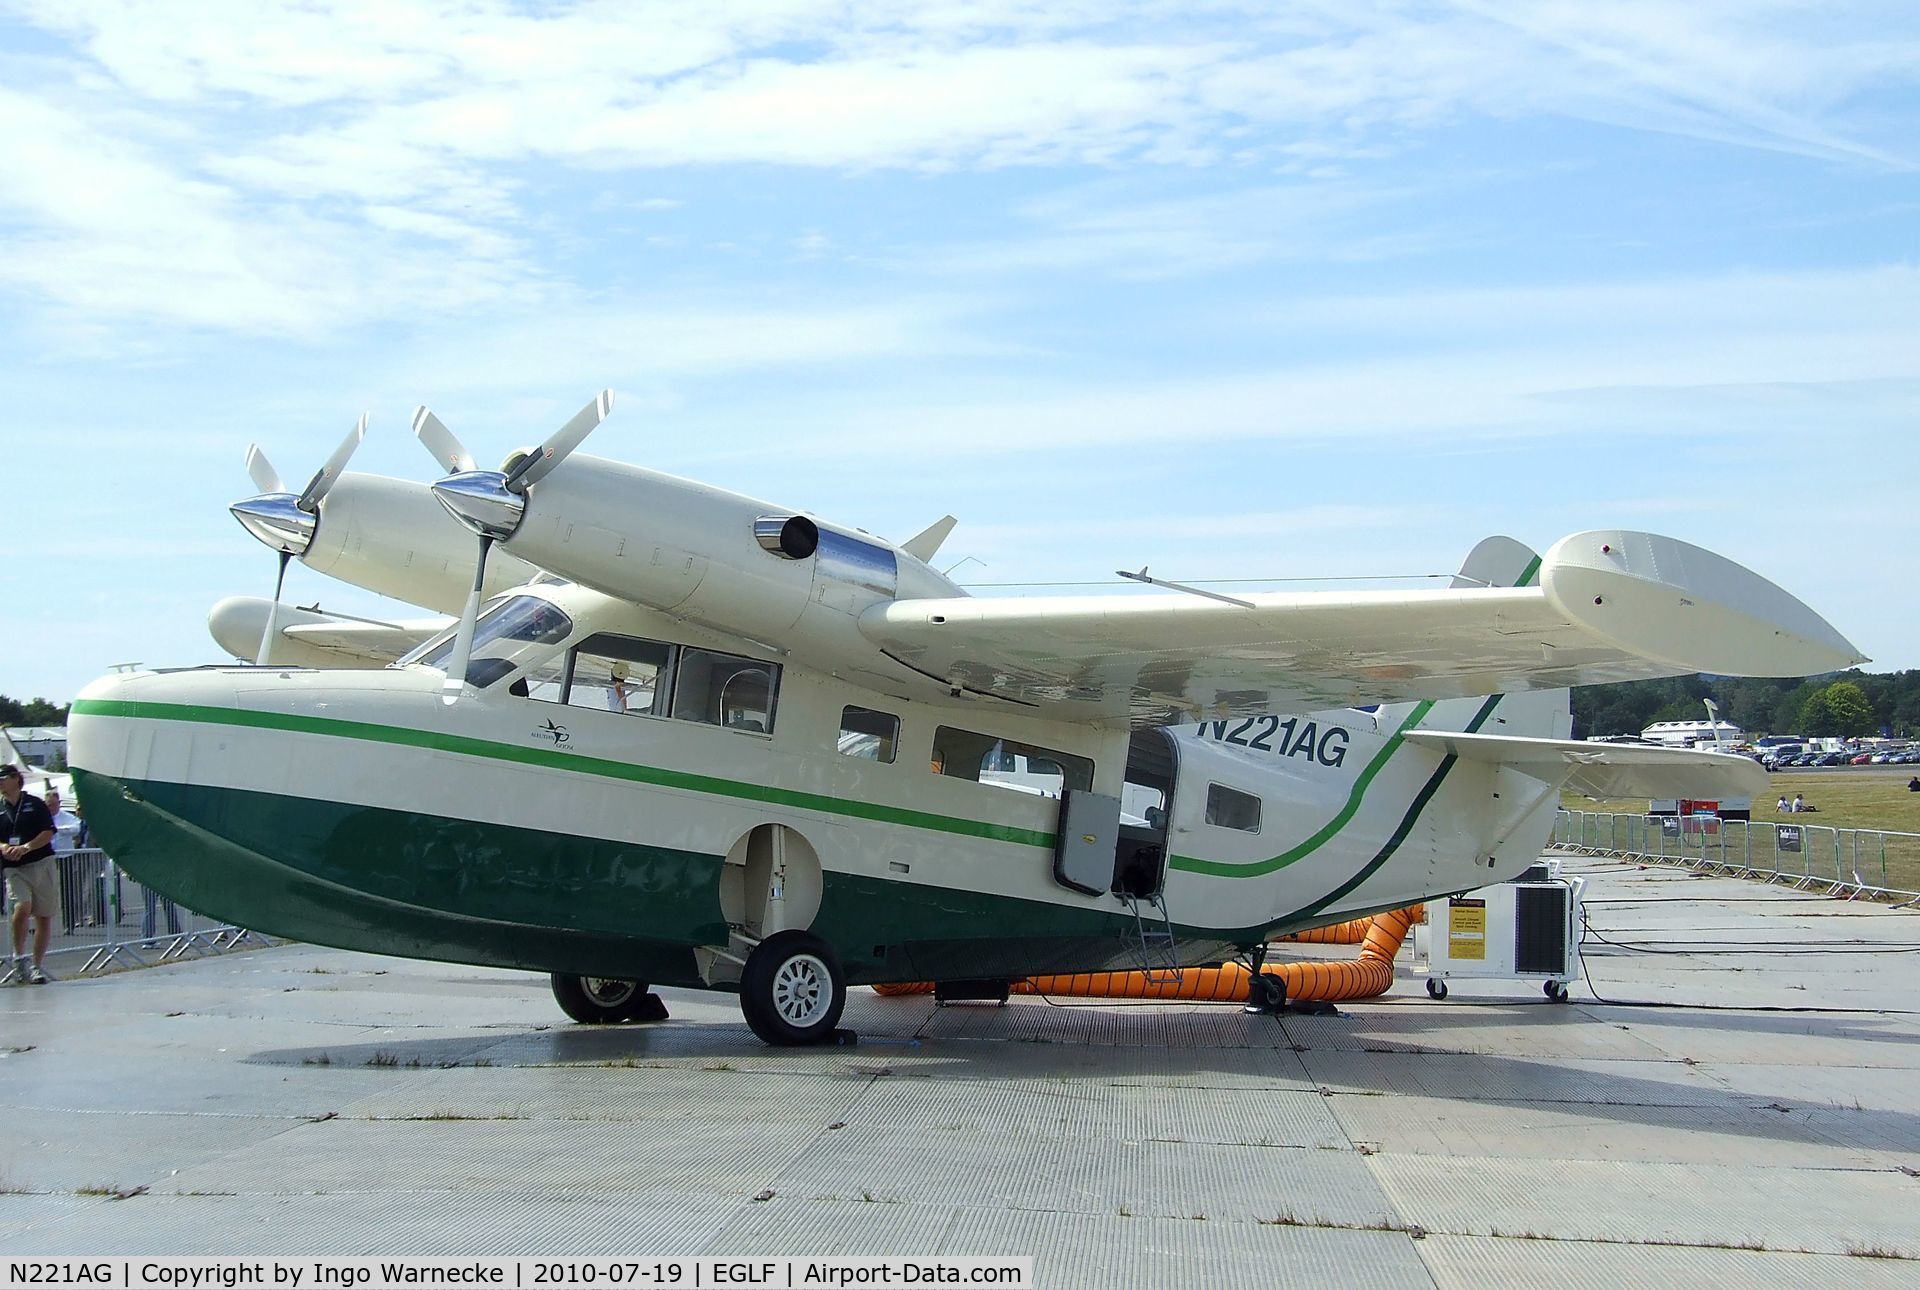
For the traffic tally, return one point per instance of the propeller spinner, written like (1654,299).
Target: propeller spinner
(286,521)
(491,502)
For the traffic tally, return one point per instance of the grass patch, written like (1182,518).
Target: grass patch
(1850,797)
(442,1117)
(1873,799)
(111,1191)
(1860,1250)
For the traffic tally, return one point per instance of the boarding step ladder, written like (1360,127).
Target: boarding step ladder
(1159,961)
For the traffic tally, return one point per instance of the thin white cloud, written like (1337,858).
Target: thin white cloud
(290,159)
(1103,227)
(642,342)
(106,228)
(1736,356)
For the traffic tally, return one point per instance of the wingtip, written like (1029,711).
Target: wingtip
(1671,601)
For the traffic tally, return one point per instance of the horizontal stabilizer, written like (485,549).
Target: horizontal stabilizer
(1607,770)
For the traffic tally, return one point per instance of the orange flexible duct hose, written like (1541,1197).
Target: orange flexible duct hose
(1352,932)
(1363,977)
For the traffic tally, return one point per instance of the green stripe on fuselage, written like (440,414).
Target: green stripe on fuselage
(1407,821)
(468,746)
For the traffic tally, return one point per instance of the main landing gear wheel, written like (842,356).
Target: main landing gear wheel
(1266,992)
(792,989)
(1436,988)
(602,1001)
(1555,991)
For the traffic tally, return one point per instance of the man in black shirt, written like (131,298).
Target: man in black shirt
(26,857)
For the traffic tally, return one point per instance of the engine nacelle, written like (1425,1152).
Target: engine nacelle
(729,562)
(391,537)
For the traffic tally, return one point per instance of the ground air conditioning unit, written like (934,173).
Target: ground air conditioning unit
(1527,928)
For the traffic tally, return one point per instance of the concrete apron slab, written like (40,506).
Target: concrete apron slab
(298,1099)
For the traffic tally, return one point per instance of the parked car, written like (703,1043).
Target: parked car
(1860,759)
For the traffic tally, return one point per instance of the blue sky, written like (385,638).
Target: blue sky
(1315,290)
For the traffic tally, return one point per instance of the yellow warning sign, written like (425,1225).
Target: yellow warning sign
(1467,931)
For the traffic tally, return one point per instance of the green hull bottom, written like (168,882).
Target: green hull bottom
(424,886)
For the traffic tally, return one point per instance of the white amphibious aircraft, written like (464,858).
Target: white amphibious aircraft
(680,736)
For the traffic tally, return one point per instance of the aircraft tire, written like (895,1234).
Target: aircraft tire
(1266,992)
(598,1001)
(792,990)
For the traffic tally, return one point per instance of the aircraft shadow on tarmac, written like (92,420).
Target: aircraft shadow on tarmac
(1458,1054)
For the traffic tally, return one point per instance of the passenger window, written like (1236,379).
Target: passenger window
(865,733)
(619,674)
(1231,809)
(1008,763)
(725,690)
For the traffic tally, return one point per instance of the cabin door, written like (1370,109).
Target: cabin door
(1140,855)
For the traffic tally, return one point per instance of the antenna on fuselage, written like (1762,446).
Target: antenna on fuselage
(1142,576)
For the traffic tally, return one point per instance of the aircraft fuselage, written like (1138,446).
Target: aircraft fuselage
(354,809)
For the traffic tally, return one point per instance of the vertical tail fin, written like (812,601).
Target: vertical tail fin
(1539,714)
(1499,562)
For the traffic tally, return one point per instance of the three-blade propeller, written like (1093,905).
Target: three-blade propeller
(491,502)
(285,521)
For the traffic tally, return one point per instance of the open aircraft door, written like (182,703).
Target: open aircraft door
(1083,846)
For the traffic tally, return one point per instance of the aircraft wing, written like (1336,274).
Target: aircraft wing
(1608,606)
(377,644)
(313,637)
(1608,770)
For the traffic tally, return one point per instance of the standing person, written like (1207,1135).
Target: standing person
(66,825)
(150,902)
(73,883)
(26,857)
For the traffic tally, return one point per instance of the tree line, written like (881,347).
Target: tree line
(34,712)
(1847,704)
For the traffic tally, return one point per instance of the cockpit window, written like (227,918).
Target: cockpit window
(508,633)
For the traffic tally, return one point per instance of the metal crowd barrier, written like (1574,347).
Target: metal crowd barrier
(108,920)
(1807,857)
